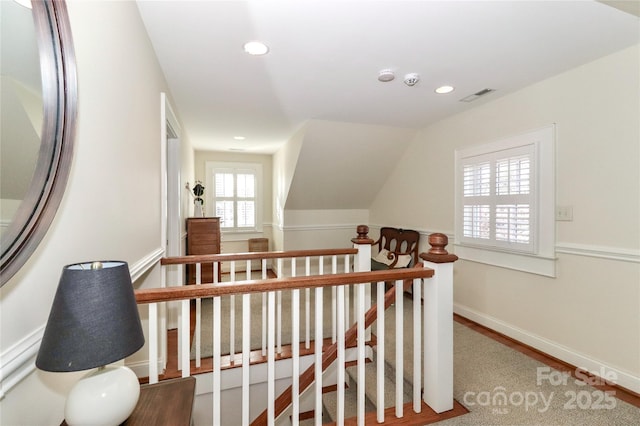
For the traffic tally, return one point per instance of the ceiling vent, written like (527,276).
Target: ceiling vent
(476,95)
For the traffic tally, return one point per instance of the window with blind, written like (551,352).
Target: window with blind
(498,207)
(236,195)
(505,199)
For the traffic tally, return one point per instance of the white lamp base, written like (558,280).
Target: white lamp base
(106,396)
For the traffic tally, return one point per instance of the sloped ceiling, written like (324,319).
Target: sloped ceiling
(325,57)
(343,165)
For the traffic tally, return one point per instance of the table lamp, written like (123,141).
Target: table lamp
(93,322)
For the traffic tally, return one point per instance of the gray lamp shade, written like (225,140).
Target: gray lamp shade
(94,319)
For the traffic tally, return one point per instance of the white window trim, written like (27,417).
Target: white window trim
(211,166)
(542,259)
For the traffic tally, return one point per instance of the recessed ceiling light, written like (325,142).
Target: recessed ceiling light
(444,89)
(256,48)
(239,138)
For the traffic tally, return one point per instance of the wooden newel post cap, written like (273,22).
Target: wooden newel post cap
(363,232)
(438,243)
(363,235)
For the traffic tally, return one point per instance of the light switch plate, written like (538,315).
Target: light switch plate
(564,213)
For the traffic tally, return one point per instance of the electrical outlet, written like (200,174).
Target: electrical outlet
(564,213)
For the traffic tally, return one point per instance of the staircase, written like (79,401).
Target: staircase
(277,368)
(370,387)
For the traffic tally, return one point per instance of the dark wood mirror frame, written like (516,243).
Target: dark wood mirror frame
(59,96)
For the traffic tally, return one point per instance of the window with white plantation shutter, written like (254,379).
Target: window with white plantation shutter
(505,202)
(235,198)
(497,200)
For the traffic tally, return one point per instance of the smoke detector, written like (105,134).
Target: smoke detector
(411,79)
(386,75)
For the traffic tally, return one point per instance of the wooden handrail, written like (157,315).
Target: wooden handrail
(330,354)
(166,294)
(227,257)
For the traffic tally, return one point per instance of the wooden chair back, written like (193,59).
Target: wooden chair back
(399,242)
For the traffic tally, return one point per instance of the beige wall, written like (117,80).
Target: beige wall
(111,208)
(590,314)
(284,166)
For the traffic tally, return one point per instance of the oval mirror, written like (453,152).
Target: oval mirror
(38,112)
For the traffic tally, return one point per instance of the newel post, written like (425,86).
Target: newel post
(363,243)
(438,325)
(362,263)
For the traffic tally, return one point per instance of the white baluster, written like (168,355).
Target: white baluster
(279,311)
(361,347)
(246,352)
(380,358)
(341,354)
(334,312)
(307,306)
(198,327)
(264,310)
(184,344)
(318,356)
(271,360)
(232,316)
(399,349)
(217,358)
(417,345)
(347,297)
(295,349)
(153,343)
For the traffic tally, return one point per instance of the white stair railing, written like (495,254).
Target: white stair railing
(436,340)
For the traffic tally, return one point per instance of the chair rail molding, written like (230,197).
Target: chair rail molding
(602,252)
(19,360)
(138,268)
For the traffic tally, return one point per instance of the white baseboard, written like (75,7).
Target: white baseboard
(142,368)
(563,353)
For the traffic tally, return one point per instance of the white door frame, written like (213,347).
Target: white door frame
(170,224)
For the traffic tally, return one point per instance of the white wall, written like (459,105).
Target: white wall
(588,315)
(284,166)
(316,229)
(111,208)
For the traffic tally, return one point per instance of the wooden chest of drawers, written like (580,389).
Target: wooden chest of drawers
(203,237)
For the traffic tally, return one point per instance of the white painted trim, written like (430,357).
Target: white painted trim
(625,379)
(143,265)
(524,262)
(321,227)
(18,361)
(602,252)
(141,368)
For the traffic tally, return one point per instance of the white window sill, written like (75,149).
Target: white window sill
(534,264)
